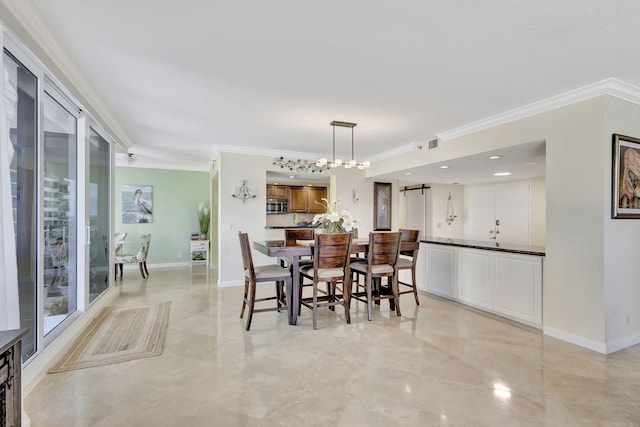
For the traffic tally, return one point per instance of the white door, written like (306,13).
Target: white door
(415,210)
(481,212)
(513,201)
(499,212)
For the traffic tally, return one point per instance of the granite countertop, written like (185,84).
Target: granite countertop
(491,246)
(282,227)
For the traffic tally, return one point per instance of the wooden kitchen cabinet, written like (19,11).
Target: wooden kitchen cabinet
(303,199)
(276,191)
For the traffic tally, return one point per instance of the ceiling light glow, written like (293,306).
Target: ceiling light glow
(444,167)
(495,157)
(502,174)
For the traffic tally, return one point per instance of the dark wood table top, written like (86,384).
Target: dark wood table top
(279,248)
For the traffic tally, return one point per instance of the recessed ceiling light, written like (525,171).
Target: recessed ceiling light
(444,167)
(502,174)
(495,157)
(291,176)
(408,173)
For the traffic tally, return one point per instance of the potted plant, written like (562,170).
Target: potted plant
(204,218)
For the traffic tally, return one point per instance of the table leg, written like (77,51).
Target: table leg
(295,303)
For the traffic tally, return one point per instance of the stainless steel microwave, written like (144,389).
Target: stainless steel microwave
(277,206)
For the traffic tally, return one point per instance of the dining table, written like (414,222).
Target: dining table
(301,248)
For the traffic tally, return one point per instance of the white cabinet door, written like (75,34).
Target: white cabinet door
(513,207)
(441,270)
(518,287)
(475,277)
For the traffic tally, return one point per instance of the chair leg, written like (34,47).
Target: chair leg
(315,304)
(244,297)
(346,298)
(369,279)
(252,303)
(121,268)
(141,270)
(278,294)
(415,286)
(289,297)
(145,268)
(394,290)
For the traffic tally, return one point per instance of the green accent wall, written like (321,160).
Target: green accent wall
(176,195)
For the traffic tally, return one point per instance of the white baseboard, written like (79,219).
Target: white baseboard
(623,343)
(230,283)
(575,339)
(164,265)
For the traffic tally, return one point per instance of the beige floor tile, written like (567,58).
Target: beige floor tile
(440,364)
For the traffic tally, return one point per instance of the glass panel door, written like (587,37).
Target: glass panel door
(59,209)
(99,214)
(20,98)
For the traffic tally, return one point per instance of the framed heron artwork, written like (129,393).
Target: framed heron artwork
(137,204)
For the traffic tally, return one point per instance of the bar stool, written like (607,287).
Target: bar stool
(408,260)
(330,265)
(265,273)
(382,259)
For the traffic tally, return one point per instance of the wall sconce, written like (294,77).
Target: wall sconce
(452,213)
(243,192)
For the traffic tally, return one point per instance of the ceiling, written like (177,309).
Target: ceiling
(184,79)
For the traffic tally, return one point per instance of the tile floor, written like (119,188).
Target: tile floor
(440,364)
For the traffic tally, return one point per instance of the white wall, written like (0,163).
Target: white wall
(622,243)
(539,211)
(437,197)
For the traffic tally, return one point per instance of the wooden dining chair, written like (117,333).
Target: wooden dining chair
(291,235)
(264,273)
(408,260)
(382,261)
(330,265)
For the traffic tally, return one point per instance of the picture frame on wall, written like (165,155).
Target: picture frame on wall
(382,206)
(137,204)
(626,173)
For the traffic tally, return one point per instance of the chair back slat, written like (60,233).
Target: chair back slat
(291,235)
(332,250)
(384,248)
(409,236)
(247,258)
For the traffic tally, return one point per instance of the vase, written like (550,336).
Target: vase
(204,236)
(333,228)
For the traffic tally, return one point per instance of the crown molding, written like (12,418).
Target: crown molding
(23,18)
(612,87)
(122,161)
(407,148)
(256,151)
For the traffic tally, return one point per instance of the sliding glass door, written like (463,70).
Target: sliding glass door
(98,194)
(60,220)
(21,101)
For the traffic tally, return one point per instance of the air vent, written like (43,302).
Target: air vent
(433,144)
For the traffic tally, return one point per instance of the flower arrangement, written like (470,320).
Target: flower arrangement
(336,219)
(204,218)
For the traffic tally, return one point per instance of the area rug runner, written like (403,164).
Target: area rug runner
(117,335)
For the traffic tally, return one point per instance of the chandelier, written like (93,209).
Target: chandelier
(299,165)
(338,162)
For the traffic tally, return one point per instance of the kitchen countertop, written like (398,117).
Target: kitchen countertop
(282,227)
(491,246)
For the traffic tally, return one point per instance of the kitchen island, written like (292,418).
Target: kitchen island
(500,278)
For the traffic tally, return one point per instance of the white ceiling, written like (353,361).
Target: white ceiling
(183,78)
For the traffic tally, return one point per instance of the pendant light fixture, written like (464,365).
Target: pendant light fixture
(338,162)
